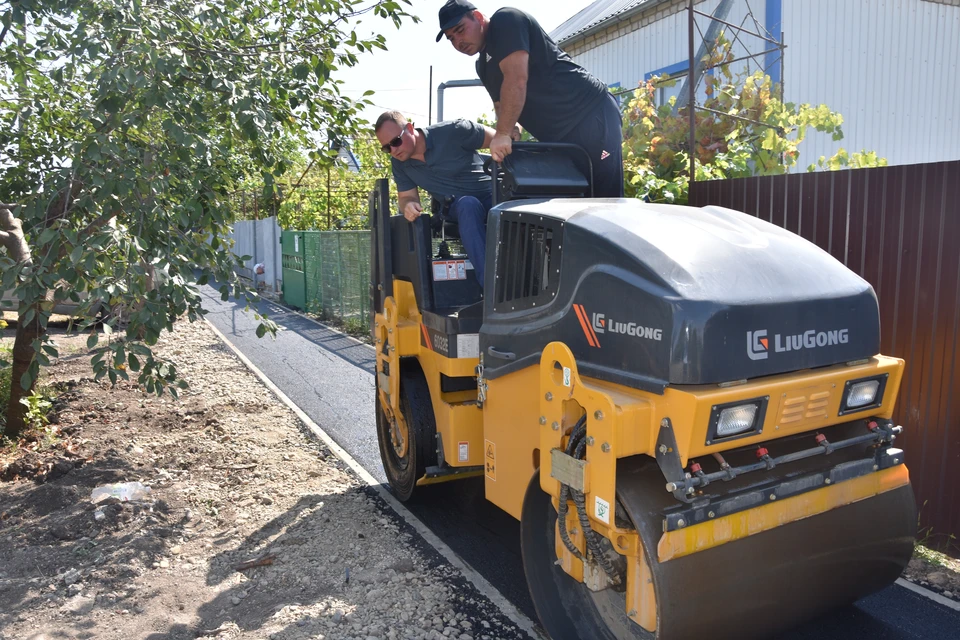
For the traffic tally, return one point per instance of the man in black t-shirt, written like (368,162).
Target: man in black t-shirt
(533,82)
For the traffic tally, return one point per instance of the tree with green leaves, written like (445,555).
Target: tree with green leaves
(124,126)
(745,130)
(331,193)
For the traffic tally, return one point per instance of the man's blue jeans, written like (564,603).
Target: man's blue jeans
(470,214)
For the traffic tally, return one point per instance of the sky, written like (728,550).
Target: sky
(400,76)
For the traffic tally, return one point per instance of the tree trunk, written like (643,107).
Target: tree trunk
(11,237)
(22,357)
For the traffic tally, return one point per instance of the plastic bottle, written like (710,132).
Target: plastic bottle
(123,491)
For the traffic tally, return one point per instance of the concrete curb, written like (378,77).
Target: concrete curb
(926,593)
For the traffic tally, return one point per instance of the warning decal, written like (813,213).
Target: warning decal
(490,460)
(444,270)
(463,451)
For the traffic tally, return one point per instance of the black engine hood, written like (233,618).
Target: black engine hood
(650,295)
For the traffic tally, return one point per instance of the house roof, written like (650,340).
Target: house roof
(599,14)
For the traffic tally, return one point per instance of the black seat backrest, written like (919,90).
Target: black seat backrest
(411,248)
(536,173)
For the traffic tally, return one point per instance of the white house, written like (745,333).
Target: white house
(890,67)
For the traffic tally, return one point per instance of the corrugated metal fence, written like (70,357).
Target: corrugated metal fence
(899,228)
(328,272)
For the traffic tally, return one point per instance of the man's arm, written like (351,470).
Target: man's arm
(410,204)
(517,132)
(488,134)
(513,95)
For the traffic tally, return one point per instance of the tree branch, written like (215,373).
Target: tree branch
(11,235)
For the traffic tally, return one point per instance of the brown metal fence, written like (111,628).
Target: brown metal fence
(899,228)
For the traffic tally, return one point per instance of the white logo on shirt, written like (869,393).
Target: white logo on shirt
(489,58)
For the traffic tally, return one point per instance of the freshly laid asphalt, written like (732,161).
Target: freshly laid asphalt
(330,377)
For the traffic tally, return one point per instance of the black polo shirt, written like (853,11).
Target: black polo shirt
(560,92)
(451,166)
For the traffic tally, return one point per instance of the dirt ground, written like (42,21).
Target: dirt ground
(235,478)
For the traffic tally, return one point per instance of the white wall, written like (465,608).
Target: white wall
(629,58)
(890,67)
(260,239)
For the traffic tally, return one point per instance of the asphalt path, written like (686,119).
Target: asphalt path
(330,377)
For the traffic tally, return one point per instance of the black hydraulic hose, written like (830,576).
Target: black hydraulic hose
(576,435)
(576,448)
(588,533)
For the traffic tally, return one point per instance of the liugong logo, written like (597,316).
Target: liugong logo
(758,345)
(593,324)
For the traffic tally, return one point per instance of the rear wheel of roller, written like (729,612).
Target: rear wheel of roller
(567,609)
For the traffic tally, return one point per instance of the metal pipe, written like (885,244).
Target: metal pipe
(740,59)
(453,84)
(869,438)
(691,99)
(740,28)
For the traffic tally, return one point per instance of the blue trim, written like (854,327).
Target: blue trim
(774,26)
(616,96)
(356,162)
(668,71)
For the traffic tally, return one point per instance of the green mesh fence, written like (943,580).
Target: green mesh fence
(337,269)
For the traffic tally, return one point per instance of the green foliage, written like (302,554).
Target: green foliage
(492,123)
(748,131)
(5,372)
(38,405)
(843,160)
(127,124)
(331,194)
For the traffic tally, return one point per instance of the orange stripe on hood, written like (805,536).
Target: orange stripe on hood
(582,317)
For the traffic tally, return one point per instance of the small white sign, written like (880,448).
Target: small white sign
(451,271)
(464,451)
(296,243)
(461,271)
(439,271)
(601,508)
(468,345)
(468,264)
(566,376)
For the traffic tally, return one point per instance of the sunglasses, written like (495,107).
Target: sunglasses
(393,144)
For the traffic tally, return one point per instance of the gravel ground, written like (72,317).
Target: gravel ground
(235,479)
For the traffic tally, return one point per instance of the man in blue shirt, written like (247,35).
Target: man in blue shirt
(535,83)
(442,159)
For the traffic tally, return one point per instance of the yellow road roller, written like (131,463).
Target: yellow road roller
(685,408)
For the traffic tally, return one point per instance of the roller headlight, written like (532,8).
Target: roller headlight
(736,419)
(864,393)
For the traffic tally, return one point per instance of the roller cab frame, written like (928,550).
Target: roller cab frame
(685,408)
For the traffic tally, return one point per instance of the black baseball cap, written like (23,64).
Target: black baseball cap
(451,13)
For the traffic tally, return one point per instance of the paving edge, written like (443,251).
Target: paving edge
(927,593)
(480,583)
(305,316)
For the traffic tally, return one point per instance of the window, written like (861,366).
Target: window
(671,80)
